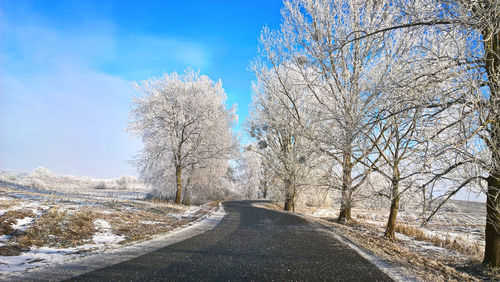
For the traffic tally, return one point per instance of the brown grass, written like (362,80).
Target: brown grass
(131,223)
(456,244)
(57,228)
(11,250)
(10,217)
(426,268)
(411,231)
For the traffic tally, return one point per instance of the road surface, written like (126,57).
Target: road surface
(250,244)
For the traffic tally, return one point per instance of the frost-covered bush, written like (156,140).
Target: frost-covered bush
(42,178)
(101,185)
(36,183)
(41,172)
(124,182)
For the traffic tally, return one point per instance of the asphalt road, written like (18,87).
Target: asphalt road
(250,244)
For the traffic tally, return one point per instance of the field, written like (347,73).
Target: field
(64,218)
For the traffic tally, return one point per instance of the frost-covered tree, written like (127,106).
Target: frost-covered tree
(341,75)
(184,124)
(459,55)
(398,160)
(250,168)
(277,122)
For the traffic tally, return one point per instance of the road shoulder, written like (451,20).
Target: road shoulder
(391,270)
(98,261)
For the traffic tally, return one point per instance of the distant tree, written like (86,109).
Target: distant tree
(277,122)
(250,164)
(184,123)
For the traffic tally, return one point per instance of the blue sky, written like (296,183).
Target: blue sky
(66,69)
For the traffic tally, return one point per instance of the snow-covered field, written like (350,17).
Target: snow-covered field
(456,220)
(65,218)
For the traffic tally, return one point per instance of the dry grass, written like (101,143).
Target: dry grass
(10,217)
(7,204)
(69,221)
(457,244)
(61,229)
(11,250)
(411,231)
(133,225)
(425,268)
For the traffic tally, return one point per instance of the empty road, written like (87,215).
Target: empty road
(250,244)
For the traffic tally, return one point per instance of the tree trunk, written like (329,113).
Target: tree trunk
(186,200)
(345,202)
(178,174)
(263,185)
(288,204)
(289,198)
(391,222)
(492,247)
(492,232)
(345,214)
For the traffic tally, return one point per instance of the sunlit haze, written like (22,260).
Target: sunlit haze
(67,67)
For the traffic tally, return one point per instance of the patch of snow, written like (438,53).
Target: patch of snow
(105,235)
(23,223)
(102,224)
(324,213)
(149,222)
(34,258)
(4,238)
(107,238)
(44,207)
(186,214)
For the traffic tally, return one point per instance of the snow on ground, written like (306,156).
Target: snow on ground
(458,220)
(104,235)
(23,223)
(40,227)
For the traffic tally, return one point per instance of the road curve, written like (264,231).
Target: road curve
(250,244)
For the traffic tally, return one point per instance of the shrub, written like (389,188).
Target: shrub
(124,182)
(100,185)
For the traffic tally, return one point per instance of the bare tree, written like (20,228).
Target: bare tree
(337,50)
(341,77)
(460,57)
(277,122)
(183,122)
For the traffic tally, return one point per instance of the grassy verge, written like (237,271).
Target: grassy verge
(26,225)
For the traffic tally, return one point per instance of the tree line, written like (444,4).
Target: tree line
(391,99)
(400,98)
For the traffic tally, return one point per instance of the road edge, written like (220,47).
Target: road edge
(386,267)
(101,260)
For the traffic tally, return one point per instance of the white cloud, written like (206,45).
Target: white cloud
(56,110)
(64,101)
